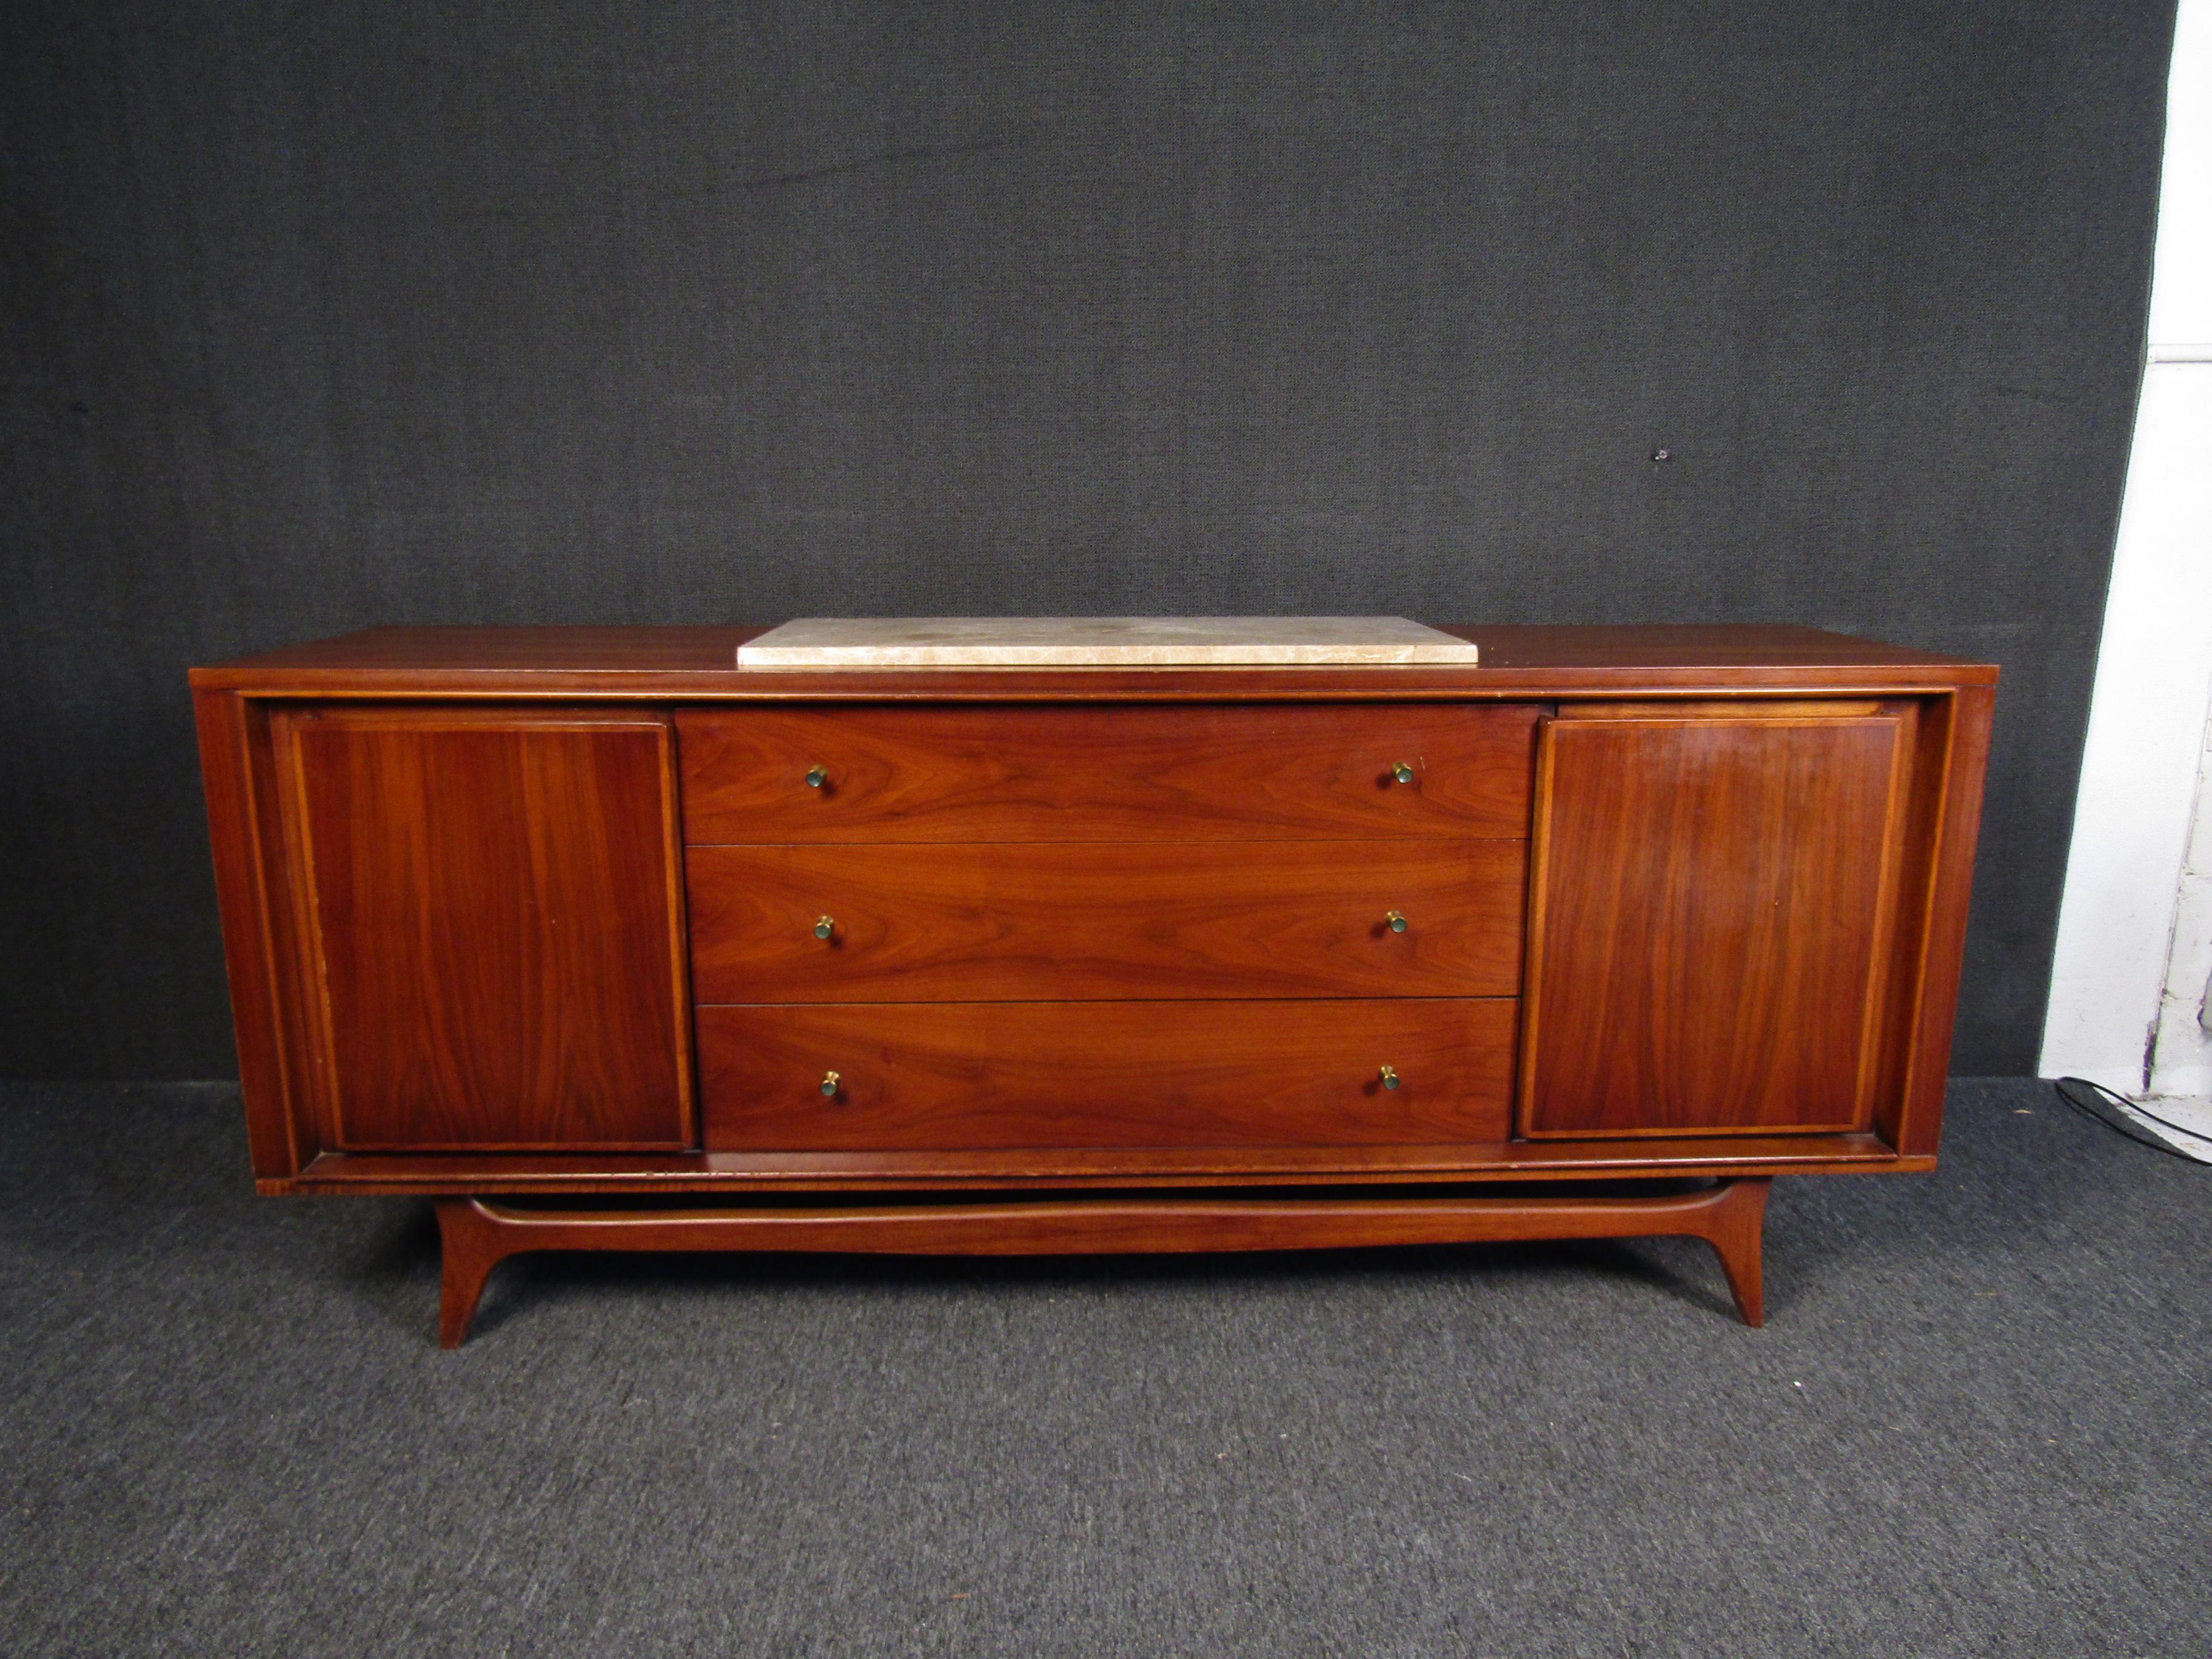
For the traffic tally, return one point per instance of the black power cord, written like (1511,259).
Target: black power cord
(2118,1124)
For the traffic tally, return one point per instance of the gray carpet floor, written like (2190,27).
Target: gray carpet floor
(1976,1422)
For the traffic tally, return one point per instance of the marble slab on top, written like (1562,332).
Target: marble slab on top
(846,643)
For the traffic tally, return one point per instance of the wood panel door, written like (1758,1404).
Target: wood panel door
(492,927)
(1712,903)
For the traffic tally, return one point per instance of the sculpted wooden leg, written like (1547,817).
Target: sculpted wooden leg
(472,1247)
(479,1237)
(1738,1232)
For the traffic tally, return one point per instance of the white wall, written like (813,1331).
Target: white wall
(2181,1062)
(2148,716)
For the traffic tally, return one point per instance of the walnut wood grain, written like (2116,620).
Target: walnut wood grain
(1238,773)
(1055,921)
(1712,912)
(953,1076)
(477,1237)
(493,925)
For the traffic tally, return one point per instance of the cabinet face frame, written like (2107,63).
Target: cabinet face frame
(321,1087)
(1927,839)
(652,672)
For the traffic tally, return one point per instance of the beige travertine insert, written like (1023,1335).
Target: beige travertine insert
(860,642)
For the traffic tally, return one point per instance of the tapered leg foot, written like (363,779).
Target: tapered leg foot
(471,1249)
(1738,1236)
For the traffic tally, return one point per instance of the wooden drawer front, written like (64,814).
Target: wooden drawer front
(952,1076)
(1251,772)
(1033,922)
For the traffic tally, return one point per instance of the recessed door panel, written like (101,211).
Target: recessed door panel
(494,927)
(1711,912)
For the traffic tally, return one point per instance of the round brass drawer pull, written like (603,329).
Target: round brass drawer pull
(831,1082)
(817,777)
(1397,921)
(1389,1076)
(1403,771)
(825,928)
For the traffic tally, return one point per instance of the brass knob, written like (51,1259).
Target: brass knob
(1403,771)
(830,1081)
(1389,1076)
(825,928)
(817,777)
(1397,921)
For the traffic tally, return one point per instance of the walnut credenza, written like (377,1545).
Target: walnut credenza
(1589,940)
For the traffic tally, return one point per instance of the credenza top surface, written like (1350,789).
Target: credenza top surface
(1516,660)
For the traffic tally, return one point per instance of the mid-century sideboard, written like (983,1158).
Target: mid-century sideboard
(1591,938)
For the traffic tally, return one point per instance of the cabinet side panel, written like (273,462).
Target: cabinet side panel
(496,927)
(1957,744)
(235,771)
(1714,906)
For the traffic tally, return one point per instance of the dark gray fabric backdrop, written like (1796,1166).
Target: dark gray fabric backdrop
(320,316)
